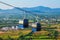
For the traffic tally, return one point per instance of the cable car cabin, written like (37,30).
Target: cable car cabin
(25,23)
(38,27)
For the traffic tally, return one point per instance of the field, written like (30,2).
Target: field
(27,34)
(50,31)
(13,34)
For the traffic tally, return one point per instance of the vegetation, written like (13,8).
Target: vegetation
(50,30)
(27,34)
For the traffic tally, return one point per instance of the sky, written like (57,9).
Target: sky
(30,3)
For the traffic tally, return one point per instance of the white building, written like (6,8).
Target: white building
(5,28)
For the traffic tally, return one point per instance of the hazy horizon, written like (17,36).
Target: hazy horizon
(30,3)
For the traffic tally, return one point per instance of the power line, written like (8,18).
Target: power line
(16,7)
(33,13)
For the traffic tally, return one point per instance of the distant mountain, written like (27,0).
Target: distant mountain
(14,10)
(38,9)
(42,9)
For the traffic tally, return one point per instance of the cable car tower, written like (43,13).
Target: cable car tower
(25,21)
(38,25)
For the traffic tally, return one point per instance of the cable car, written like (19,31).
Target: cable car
(25,23)
(38,27)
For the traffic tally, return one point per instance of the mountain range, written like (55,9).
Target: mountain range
(43,9)
(38,9)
